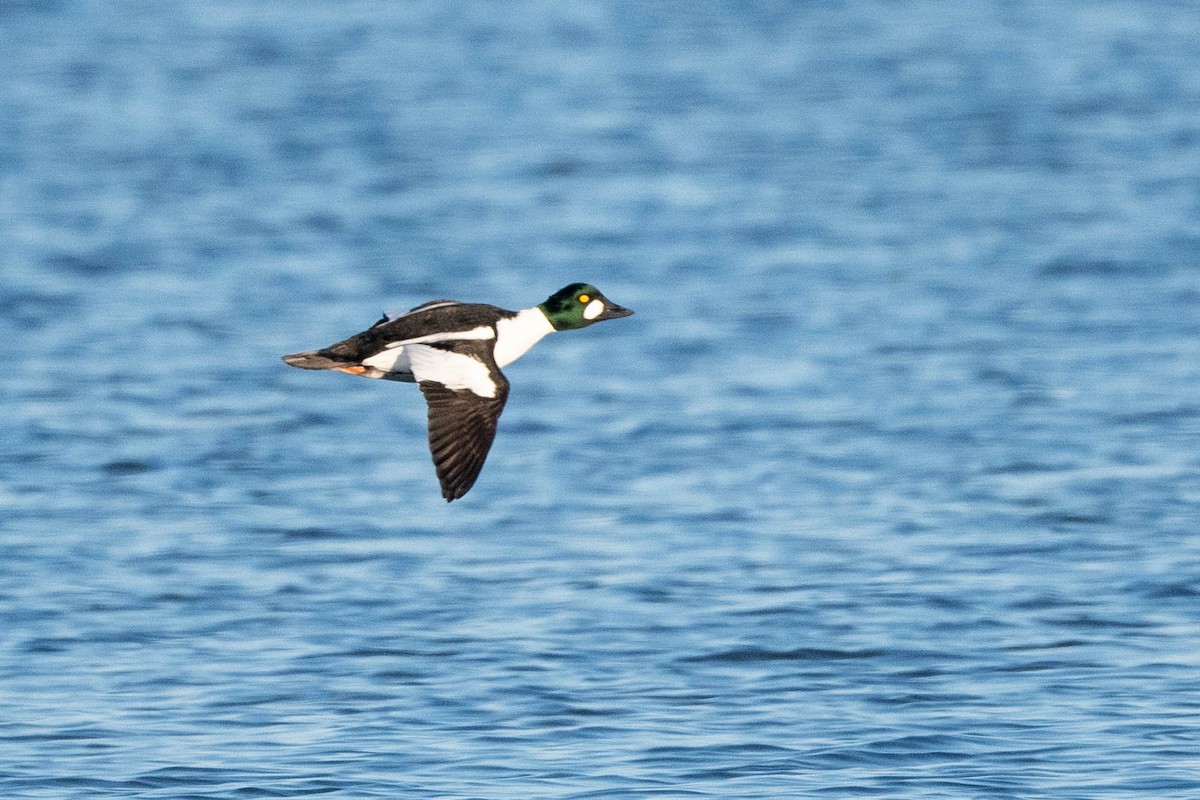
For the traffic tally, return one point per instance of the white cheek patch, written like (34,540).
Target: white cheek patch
(593,309)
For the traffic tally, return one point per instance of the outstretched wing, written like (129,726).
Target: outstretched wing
(462,426)
(465,392)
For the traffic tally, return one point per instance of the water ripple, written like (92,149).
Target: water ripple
(889,489)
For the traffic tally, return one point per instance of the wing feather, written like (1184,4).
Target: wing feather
(438,318)
(462,426)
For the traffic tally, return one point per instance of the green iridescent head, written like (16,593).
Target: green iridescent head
(580,305)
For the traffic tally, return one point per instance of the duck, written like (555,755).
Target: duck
(454,352)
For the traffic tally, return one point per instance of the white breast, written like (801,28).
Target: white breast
(515,335)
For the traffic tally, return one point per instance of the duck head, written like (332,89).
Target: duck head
(580,305)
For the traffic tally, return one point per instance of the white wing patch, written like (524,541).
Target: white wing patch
(398,356)
(593,309)
(394,359)
(452,370)
(482,332)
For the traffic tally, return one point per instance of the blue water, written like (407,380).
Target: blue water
(891,488)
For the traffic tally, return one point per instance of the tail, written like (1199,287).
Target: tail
(312,359)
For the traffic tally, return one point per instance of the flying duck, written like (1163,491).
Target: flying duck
(454,351)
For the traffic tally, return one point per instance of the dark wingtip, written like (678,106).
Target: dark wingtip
(453,492)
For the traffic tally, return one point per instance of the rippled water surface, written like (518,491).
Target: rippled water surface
(889,489)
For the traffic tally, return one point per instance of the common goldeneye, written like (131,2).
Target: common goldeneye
(454,352)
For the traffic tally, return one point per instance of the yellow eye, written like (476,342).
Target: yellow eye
(583,298)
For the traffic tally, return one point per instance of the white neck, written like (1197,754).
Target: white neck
(515,335)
